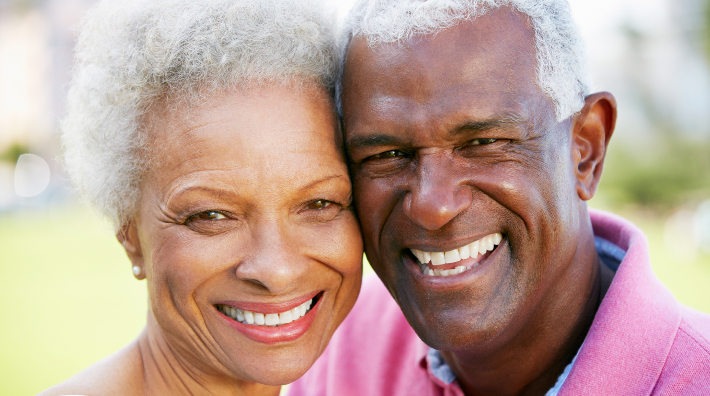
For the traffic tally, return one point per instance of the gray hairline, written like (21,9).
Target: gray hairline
(132,56)
(351,30)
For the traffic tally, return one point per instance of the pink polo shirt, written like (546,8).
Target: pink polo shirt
(642,341)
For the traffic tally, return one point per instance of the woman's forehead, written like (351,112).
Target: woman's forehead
(271,133)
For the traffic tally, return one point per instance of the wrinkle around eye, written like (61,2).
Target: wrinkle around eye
(476,148)
(330,210)
(383,167)
(211,222)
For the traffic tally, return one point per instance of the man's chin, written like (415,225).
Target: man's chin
(453,330)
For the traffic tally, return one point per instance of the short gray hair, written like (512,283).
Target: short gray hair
(131,55)
(563,71)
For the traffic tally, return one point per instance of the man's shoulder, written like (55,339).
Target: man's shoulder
(695,326)
(373,352)
(686,370)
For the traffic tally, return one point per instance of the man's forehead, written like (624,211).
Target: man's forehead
(499,33)
(490,62)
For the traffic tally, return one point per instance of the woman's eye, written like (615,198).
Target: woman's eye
(208,215)
(478,142)
(319,204)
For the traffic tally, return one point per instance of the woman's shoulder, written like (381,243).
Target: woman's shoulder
(118,374)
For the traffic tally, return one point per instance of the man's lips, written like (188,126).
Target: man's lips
(272,327)
(458,260)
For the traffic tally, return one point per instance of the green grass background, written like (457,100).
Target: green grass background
(68,298)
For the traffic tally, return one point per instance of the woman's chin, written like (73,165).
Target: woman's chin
(278,369)
(278,376)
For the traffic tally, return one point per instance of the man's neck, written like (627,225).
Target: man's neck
(167,372)
(533,360)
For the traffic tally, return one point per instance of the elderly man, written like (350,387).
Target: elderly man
(474,144)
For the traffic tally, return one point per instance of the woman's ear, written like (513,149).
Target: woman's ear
(591,130)
(128,237)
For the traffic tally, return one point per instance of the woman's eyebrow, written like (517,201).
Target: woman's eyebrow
(322,180)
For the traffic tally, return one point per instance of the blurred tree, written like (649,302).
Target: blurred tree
(672,172)
(669,168)
(13,152)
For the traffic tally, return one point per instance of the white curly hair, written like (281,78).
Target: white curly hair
(563,71)
(130,55)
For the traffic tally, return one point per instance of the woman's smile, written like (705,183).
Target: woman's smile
(249,254)
(207,131)
(270,323)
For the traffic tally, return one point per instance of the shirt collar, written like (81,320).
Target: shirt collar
(610,254)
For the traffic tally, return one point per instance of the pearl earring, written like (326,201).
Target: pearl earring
(136,270)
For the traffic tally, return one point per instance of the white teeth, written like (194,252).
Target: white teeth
(261,319)
(285,317)
(472,250)
(465,252)
(427,257)
(249,317)
(489,242)
(420,256)
(271,319)
(452,256)
(437,258)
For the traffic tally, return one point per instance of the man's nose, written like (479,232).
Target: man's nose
(438,193)
(277,263)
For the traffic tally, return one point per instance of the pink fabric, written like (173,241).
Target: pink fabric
(642,342)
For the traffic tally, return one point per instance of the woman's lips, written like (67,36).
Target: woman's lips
(268,325)
(270,308)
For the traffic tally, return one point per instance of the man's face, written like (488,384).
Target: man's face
(451,141)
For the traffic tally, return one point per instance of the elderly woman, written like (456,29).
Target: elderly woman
(206,131)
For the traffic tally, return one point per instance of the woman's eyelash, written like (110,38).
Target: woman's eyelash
(208,215)
(319,204)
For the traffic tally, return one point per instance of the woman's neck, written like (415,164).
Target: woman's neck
(167,372)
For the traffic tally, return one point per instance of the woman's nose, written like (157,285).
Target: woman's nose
(277,263)
(437,194)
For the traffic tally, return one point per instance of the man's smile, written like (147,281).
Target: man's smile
(456,261)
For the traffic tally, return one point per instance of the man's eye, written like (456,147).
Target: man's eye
(478,142)
(389,154)
(208,215)
(319,204)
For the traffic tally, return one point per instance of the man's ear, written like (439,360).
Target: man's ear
(591,130)
(128,237)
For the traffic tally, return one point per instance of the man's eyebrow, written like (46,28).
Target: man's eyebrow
(506,121)
(376,140)
(381,139)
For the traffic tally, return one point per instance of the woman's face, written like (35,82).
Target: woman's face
(247,207)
